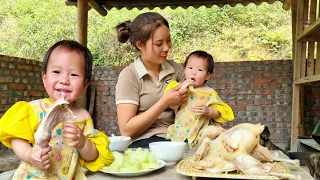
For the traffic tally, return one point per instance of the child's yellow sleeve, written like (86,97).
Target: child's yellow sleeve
(19,121)
(101,141)
(225,111)
(171,85)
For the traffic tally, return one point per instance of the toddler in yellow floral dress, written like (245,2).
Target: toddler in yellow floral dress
(66,72)
(203,107)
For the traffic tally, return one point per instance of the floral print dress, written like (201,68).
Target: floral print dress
(22,120)
(188,125)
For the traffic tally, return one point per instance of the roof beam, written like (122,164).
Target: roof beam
(98,7)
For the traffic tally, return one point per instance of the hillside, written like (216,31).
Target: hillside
(28,28)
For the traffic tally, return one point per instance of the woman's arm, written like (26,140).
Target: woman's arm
(132,125)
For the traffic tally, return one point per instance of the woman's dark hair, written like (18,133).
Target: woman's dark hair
(205,56)
(141,29)
(70,45)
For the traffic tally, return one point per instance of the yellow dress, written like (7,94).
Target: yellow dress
(22,120)
(188,125)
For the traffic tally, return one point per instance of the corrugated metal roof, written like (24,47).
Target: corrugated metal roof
(151,4)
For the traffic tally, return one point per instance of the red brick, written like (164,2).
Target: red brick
(102,88)
(17,86)
(262,80)
(5,79)
(36,94)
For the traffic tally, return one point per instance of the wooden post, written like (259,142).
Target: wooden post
(82,31)
(297,64)
(293,26)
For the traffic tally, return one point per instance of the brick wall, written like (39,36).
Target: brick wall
(20,80)
(258,92)
(312,107)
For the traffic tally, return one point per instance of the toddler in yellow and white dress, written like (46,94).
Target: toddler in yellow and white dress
(203,107)
(66,74)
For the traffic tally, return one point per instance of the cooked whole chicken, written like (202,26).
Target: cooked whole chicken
(238,148)
(57,113)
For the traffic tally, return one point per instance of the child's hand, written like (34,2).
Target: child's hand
(200,109)
(186,84)
(44,164)
(73,132)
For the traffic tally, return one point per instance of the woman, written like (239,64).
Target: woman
(142,109)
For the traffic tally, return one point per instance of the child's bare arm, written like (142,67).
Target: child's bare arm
(86,148)
(24,151)
(89,151)
(202,109)
(213,113)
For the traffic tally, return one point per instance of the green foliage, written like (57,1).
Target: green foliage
(28,28)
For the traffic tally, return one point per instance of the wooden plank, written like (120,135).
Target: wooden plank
(293,26)
(296,114)
(297,61)
(298,46)
(92,100)
(311,44)
(313,38)
(304,44)
(308,79)
(301,106)
(310,62)
(303,59)
(313,10)
(318,10)
(310,31)
(318,59)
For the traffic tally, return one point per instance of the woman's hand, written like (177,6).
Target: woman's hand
(44,164)
(175,96)
(200,109)
(73,132)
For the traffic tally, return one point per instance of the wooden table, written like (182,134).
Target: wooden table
(169,172)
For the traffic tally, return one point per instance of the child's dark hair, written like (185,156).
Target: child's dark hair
(205,56)
(141,29)
(71,45)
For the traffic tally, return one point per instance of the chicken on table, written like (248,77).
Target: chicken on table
(238,149)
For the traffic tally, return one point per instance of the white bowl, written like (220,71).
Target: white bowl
(168,151)
(119,143)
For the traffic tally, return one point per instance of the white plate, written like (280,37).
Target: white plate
(138,173)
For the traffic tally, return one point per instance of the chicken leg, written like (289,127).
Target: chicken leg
(263,154)
(57,113)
